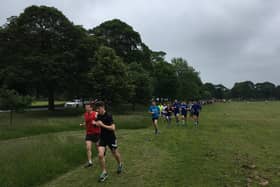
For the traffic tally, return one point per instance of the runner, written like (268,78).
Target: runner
(184,108)
(163,113)
(160,109)
(168,112)
(176,110)
(196,108)
(155,111)
(107,138)
(92,132)
(190,109)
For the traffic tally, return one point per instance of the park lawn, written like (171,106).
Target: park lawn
(45,103)
(42,122)
(235,143)
(38,122)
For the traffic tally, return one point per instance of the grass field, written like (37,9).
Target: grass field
(45,103)
(237,144)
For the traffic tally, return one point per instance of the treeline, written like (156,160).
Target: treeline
(258,91)
(246,90)
(44,55)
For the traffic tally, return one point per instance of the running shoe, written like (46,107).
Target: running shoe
(88,165)
(120,168)
(103,177)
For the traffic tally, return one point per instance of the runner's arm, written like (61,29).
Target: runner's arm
(94,121)
(111,127)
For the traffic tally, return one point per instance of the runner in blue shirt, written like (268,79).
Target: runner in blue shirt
(176,110)
(155,111)
(196,108)
(184,108)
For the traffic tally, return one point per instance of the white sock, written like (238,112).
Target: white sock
(90,161)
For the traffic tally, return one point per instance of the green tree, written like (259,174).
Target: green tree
(119,36)
(39,52)
(11,100)
(216,91)
(109,77)
(277,92)
(243,90)
(142,84)
(265,90)
(210,89)
(205,94)
(165,80)
(157,56)
(189,82)
(221,92)
(125,41)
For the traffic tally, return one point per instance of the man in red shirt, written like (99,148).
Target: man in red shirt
(92,132)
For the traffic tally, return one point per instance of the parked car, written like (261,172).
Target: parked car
(76,103)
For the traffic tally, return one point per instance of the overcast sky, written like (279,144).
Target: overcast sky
(225,40)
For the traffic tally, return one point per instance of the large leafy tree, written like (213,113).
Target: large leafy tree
(108,78)
(165,80)
(189,82)
(277,92)
(157,56)
(39,52)
(142,84)
(215,91)
(124,40)
(209,90)
(243,90)
(221,92)
(264,90)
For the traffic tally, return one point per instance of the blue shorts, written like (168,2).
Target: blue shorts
(176,112)
(184,113)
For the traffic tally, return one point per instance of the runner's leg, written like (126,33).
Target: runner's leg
(101,151)
(183,119)
(117,155)
(195,120)
(89,153)
(155,123)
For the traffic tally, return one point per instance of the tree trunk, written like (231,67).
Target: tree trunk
(11,117)
(51,106)
(133,106)
(37,93)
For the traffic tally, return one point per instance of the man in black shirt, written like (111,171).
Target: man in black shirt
(107,138)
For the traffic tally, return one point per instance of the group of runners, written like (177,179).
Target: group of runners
(100,128)
(100,133)
(179,109)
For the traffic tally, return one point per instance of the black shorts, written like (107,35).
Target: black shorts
(153,119)
(196,114)
(184,114)
(92,137)
(176,113)
(110,142)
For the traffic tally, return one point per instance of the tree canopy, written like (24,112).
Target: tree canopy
(43,54)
